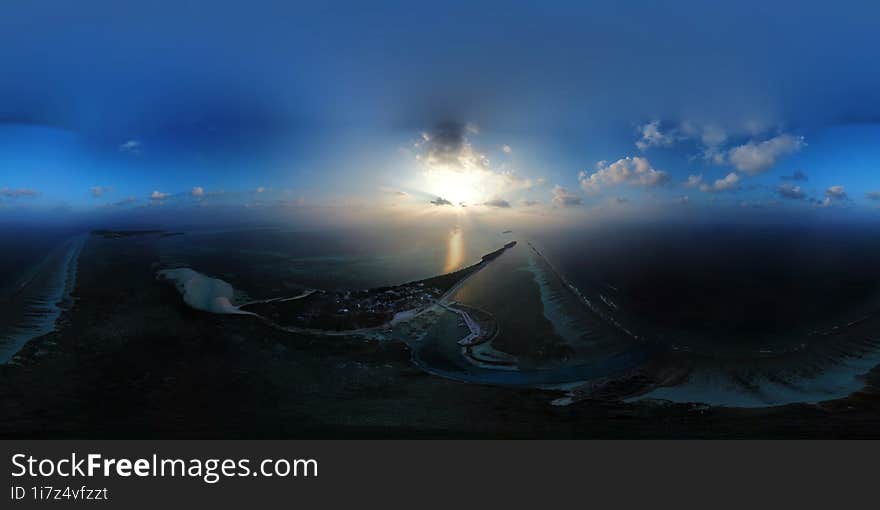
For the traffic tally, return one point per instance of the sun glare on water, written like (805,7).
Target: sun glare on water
(454,251)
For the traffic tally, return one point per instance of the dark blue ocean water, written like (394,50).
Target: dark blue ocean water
(746,285)
(270,262)
(37,274)
(751,306)
(763,315)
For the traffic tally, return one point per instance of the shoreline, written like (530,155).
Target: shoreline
(182,368)
(45,306)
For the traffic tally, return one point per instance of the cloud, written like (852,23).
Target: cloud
(713,136)
(684,199)
(530,203)
(441,201)
(651,136)
(448,147)
(693,181)
(131,147)
(564,197)
(447,155)
(198,192)
(506,149)
(158,195)
(631,170)
(728,183)
(260,189)
(873,195)
(796,176)
(832,195)
(754,158)
(710,137)
(393,191)
(99,191)
(787,190)
(621,200)
(18,193)
(124,202)
(497,202)
(509,181)
(836,193)
(750,158)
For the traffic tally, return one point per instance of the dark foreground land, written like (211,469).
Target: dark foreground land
(130,360)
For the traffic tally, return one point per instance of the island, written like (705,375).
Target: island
(356,310)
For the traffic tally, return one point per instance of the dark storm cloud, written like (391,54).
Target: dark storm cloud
(441,201)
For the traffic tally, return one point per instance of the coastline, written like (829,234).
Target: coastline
(42,299)
(145,365)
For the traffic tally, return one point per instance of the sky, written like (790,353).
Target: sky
(556,111)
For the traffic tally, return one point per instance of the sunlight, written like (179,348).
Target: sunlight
(454,251)
(456,186)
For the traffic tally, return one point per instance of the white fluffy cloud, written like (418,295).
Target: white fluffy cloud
(750,158)
(158,195)
(693,181)
(710,137)
(564,197)
(652,136)
(834,194)
(729,182)
(756,157)
(198,192)
(629,170)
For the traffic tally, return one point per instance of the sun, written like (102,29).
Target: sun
(459,187)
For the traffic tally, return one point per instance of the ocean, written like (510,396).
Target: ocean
(37,276)
(271,262)
(760,316)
